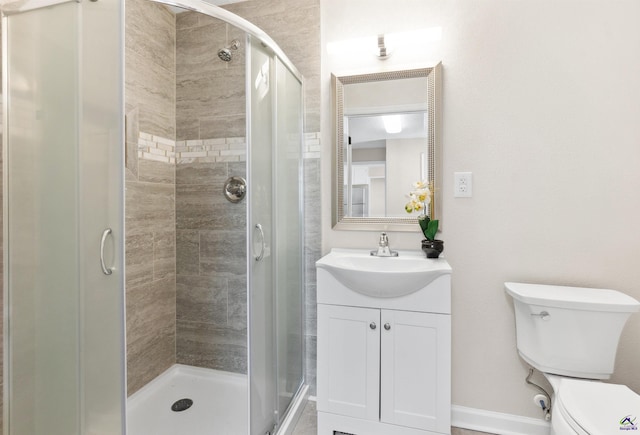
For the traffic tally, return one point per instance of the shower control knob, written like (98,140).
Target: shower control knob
(387,326)
(373,325)
(235,189)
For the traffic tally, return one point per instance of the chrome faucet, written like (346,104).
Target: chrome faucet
(383,248)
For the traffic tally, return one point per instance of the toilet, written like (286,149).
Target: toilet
(571,335)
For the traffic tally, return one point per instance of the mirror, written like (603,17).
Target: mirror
(387,136)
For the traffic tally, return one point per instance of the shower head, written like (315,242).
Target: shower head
(225,53)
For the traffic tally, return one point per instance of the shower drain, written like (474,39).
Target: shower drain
(181,405)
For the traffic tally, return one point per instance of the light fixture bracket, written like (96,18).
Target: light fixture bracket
(382,49)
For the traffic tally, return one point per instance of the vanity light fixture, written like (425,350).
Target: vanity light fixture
(385,44)
(392,123)
(382,49)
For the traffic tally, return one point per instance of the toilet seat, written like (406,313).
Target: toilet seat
(596,408)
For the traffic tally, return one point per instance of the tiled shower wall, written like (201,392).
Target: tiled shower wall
(177,218)
(211,280)
(210,93)
(211,232)
(150,193)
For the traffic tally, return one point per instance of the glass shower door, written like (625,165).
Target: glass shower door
(289,252)
(262,374)
(276,286)
(63,216)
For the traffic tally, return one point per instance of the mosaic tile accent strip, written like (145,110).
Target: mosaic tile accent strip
(226,149)
(157,148)
(229,149)
(161,149)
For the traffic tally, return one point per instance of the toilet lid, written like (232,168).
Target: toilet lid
(596,408)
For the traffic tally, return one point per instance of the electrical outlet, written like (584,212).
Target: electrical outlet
(462,184)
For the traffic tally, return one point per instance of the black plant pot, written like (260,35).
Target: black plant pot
(432,248)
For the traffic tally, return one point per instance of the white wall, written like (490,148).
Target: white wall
(377,197)
(403,169)
(542,104)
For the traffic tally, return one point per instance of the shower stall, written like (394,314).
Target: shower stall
(153,228)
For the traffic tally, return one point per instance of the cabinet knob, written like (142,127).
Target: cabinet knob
(372,325)
(387,326)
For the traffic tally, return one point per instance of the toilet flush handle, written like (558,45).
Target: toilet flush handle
(544,315)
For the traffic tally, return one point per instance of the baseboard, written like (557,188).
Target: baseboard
(497,422)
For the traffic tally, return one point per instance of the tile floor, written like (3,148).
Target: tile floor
(307,425)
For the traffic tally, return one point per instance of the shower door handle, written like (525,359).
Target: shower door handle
(261,254)
(106,270)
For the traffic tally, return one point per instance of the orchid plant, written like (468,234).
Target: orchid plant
(419,199)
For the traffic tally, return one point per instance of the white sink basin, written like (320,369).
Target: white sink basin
(383,277)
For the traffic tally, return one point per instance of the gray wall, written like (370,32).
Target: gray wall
(210,93)
(211,267)
(150,193)
(211,232)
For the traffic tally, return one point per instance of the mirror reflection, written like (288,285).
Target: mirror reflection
(385,141)
(390,146)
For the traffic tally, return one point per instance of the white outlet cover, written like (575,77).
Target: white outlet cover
(462,184)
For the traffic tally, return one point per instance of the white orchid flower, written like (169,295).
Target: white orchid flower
(421,184)
(423,195)
(419,198)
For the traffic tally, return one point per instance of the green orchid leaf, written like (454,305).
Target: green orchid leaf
(431,230)
(424,224)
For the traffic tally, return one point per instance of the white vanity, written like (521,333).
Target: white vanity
(384,344)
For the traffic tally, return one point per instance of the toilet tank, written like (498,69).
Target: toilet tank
(570,331)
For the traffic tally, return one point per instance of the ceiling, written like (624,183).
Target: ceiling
(368,131)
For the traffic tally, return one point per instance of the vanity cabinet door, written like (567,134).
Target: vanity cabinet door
(349,361)
(415,378)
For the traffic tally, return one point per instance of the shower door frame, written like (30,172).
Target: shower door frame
(282,422)
(287,420)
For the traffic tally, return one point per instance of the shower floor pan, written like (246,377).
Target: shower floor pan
(219,403)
